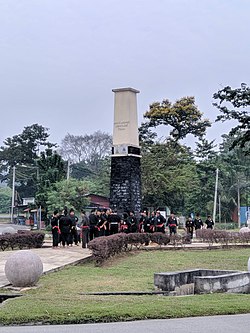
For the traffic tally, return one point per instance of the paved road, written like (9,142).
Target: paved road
(218,324)
(15,226)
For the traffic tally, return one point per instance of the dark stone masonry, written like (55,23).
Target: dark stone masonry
(125,186)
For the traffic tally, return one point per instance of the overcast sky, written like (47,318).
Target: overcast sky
(60,59)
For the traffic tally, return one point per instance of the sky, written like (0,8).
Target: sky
(60,59)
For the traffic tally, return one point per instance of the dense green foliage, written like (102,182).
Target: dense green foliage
(184,180)
(22,151)
(168,176)
(98,176)
(70,193)
(239,99)
(5,199)
(51,170)
(183,117)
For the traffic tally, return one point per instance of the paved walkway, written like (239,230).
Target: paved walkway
(52,259)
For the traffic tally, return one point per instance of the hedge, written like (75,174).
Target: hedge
(22,240)
(223,237)
(107,246)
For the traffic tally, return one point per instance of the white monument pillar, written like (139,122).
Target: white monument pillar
(125,130)
(125,185)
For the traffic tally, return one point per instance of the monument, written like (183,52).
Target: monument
(125,184)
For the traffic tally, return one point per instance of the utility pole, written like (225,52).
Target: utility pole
(219,209)
(215,193)
(238,202)
(68,170)
(13,195)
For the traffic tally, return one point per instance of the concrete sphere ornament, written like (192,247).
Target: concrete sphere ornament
(23,268)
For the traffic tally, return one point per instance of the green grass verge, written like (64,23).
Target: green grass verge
(58,299)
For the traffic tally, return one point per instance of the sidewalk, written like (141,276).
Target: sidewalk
(52,259)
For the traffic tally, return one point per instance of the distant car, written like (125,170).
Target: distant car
(20,220)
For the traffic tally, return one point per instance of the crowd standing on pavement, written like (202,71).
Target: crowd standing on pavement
(67,229)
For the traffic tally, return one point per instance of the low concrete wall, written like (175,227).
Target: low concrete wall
(229,283)
(202,281)
(169,281)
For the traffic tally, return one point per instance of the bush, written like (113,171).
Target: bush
(21,240)
(223,237)
(107,246)
(160,238)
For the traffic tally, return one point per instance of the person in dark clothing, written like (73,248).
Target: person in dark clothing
(93,228)
(209,222)
(73,231)
(160,222)
(198,224)
(141,221)
(146,223)
(189,227)
(55,229)
(114,222)
(65,225)
(152,219)
(101,223)
(125,224)
(105,214)
(172,224)
(85,229)
(132,220)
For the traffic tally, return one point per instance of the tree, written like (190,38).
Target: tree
(183,117)
(239,98)
(206,164)
(100,178)
(204,149)
(70,193)
(234,180)
(146,136)
(22,150)
(168,176)
(88,148)
(80,171)
(51,170)
(5,199)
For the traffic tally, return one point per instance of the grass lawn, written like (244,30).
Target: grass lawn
(57,299)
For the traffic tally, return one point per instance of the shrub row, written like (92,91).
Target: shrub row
(223,237)
(105,247)
(22,240)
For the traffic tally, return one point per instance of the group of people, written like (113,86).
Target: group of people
(105,222)
(64,228)
(197,224)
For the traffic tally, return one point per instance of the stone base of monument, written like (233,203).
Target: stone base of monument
(125,184)
(202,281)
(23,268)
